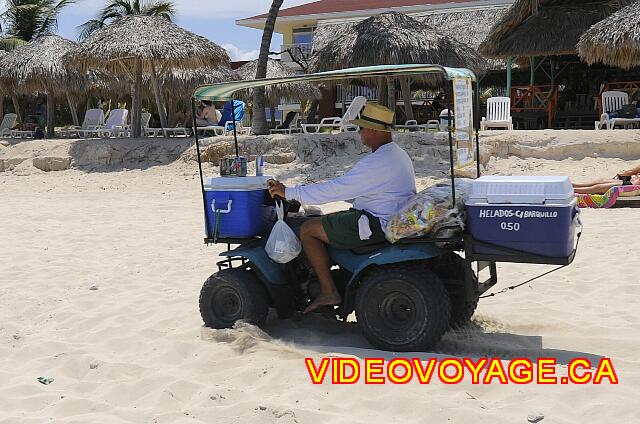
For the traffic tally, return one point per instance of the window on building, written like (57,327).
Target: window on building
(303,35)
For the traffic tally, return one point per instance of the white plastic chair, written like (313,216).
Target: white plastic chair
(498,114)
(8,122)
(341,124)
(116,124)
(93,119)
(611,102)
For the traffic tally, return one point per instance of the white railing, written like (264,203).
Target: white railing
(300,51)
(353,91)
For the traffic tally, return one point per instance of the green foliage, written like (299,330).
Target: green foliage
(119,8)
(25,20)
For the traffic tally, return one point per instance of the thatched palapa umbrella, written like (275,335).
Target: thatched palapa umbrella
(38,67)
(389,39)
(139,44)
(615,40)
(277,69)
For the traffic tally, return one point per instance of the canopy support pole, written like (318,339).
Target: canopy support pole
(449,104)
(233,118)
(476,125)
(73,109)
(158,95)
(207,225)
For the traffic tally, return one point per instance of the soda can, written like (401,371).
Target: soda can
(233,167)
(259,166)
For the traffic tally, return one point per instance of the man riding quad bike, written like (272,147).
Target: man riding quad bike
(405,296)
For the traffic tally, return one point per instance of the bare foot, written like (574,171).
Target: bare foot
(324,300)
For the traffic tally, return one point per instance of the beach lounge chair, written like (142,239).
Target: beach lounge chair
(8,122)
(411,125)
(290,124)
(22,134)
(116,124)
(93,119)
(339,124)
(498,114)
(618,196)
(613,101)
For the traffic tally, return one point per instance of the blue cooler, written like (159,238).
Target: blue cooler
(536,215)
(236,207)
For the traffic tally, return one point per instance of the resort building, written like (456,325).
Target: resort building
(466,20)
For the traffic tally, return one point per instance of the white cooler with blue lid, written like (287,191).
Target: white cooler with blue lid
(532,214)
(236,206)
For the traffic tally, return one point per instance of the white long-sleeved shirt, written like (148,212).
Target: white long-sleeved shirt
(380,184)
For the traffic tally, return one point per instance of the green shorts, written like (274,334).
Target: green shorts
(343,231)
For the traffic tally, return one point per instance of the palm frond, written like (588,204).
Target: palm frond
(164,9)
(9,43)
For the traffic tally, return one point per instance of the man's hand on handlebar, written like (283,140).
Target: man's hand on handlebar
(276,188)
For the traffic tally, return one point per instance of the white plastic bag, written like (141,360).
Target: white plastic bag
(283,245)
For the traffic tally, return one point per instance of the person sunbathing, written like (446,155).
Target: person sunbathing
(604,185)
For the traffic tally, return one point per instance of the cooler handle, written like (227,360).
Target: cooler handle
(225,211)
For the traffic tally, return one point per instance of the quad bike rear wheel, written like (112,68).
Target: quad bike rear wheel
(402,307)
(232,295)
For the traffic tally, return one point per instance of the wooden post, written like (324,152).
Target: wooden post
(391,96)
(137,99)
(159,100)
(382,89)
(74,111)
(16,107)
(509,71)
(405,86)
(532,65)
(51,114)
(171,111)
(343,100)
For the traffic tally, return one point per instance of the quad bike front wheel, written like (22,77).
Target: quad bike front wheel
(402,308)
(232,295)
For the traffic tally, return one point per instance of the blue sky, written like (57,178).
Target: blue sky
(214,19)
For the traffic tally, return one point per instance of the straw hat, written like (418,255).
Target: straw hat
(375,117)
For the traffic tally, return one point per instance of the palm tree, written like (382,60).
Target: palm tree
(259,122)
(119,8)
(25,20)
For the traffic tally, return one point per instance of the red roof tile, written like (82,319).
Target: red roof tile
(337,6)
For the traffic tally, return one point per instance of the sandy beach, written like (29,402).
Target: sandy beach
(102,263)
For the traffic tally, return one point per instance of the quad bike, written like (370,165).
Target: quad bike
(405,296)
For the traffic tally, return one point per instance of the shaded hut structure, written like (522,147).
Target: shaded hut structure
(614,41)
(558,91)
(389,39)
(38,67)
(137,45)
(275,95)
